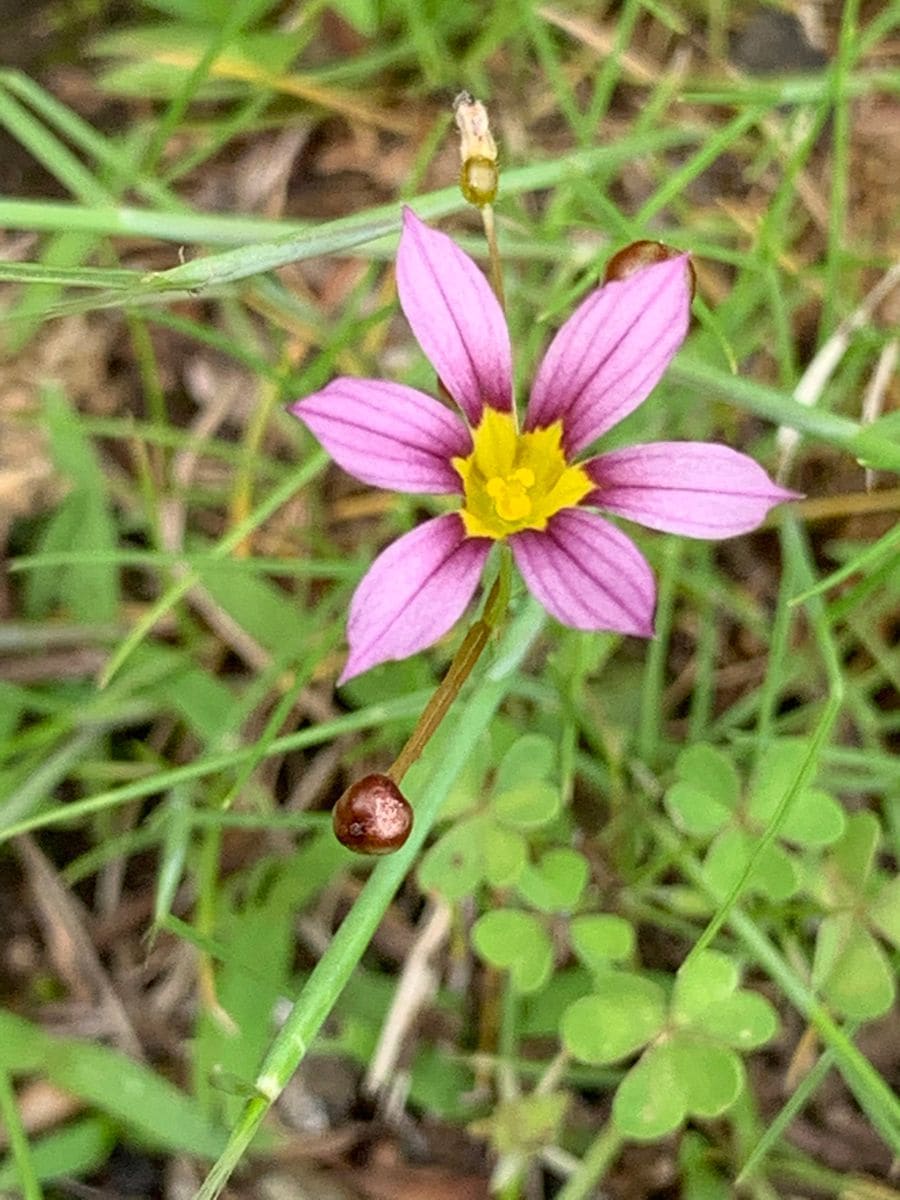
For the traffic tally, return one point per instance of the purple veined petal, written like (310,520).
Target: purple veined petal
(414,591)
(587,573)
(610,354)
(387,435)
(455,317)
(694,488)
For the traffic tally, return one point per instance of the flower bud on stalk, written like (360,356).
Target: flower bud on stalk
(372,816)
(477,151)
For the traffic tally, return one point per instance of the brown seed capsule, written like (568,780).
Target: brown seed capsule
(637,255)
(373,816)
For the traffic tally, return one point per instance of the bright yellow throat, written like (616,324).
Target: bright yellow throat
(514,481)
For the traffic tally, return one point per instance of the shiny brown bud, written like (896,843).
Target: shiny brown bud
(373,816)
(638,255)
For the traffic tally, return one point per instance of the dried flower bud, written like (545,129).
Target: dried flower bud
(372,816)
(477,151)
(638,255)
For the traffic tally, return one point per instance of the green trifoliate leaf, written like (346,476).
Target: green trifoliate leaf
(601,939)
(710,771)
(517,942)
(505,853)
(529,759)
(527,805)
(555,883)
(623,1015)
(705,979)
(681,1076)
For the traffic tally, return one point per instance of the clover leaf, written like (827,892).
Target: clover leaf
(689,1066)
(515,941)
(706,802)
(850,968)
(454,865)
(707,791)
(774,873)
(556,882)
(813,817)
(527,805)
(624,1013)
(505,855)
(601,938)
(531,757)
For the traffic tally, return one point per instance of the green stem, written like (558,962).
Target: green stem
(337,964)
(600,1156)
(490,232)
(18,1140)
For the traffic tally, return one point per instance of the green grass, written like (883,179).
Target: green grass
(178,603)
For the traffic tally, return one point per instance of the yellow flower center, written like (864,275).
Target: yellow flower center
(514,481)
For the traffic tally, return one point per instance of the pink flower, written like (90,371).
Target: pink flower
(528,487)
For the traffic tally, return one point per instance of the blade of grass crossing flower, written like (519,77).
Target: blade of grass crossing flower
(446,755)
(214,229)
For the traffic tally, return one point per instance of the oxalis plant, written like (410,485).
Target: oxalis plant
(489,827)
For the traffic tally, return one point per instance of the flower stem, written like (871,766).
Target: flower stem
(490,232)
(448,689)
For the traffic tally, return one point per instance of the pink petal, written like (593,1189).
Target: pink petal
(693,488)
(414,591)
(610,354)
(455,317)
(386,434)
(587,573)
